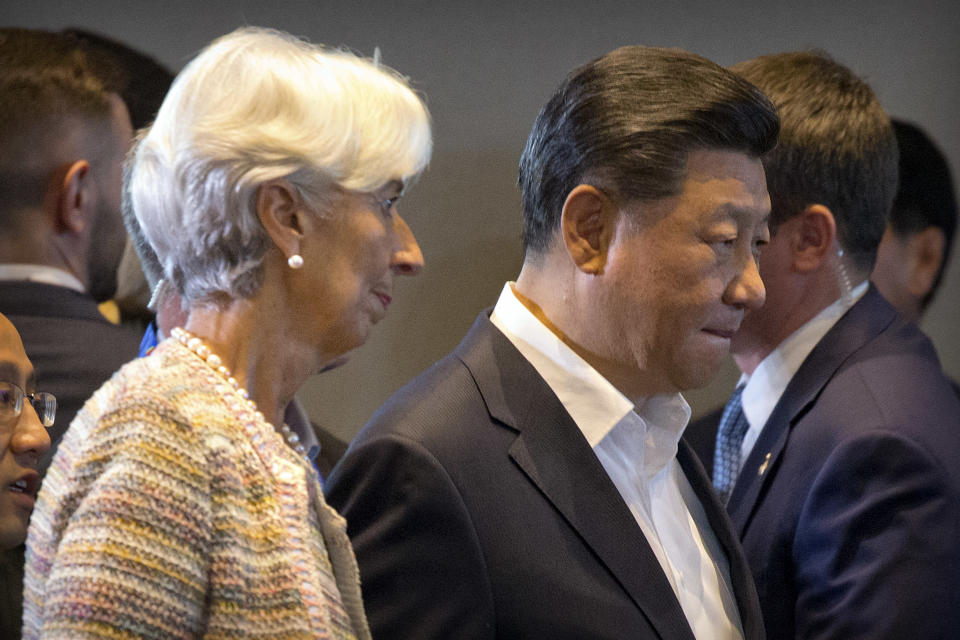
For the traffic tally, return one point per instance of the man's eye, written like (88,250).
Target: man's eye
(724,242)
(8,397)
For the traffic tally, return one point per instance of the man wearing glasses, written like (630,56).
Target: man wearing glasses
(24,416)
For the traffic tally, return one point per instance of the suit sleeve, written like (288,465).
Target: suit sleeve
(422,571)
(876,549)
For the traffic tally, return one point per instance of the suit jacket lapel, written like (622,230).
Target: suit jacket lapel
(740,574)
(863,322)
(554,455)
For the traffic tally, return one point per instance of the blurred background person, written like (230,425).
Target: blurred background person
(64,131)
(836,453)
(179,504)
(143,83)
(24,414)
(916,246)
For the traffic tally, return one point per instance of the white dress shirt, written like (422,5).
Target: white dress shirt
(40,273)
(637,446)
(773,374)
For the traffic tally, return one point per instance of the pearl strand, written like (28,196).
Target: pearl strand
(212,360)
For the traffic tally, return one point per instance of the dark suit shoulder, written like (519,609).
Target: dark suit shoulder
(424,574)
(894,383)
(844,526)
(72,347)
(429,408)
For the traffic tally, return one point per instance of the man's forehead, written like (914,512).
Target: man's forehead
(14,365)
(759,213)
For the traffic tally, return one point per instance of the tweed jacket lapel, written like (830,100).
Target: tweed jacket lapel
(862,323)
(342,559)
(553,454)
(296,487)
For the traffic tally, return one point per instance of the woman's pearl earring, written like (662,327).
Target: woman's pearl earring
(295,261)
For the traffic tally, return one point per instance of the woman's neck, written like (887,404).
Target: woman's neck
(257,347)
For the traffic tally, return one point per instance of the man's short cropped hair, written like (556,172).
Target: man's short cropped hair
(836,148)
(51,89)
(143,81)
(626,123)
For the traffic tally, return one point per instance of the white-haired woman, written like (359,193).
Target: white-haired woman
(178,505)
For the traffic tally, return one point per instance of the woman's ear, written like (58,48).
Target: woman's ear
(587,225)
(281,214)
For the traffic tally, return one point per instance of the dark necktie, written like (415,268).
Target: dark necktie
(726,455)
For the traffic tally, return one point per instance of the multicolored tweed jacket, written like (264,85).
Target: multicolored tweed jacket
(170,511)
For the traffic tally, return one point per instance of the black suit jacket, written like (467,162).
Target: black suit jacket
(477,509)
(74,350)
(849,503)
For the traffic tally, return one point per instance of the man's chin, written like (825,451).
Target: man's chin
(333,364)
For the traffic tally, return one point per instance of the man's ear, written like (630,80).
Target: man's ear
(279,210)
(587,224)
(815,232)
(73,198)
(925,253)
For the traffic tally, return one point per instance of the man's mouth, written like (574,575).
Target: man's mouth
(28,485)
(727,334)
(385,300)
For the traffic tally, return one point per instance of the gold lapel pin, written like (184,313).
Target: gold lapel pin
(763,465)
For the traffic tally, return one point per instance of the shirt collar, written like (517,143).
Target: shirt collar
(41,273)
(773,374)
(595,405)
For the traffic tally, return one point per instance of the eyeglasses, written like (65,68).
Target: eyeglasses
(11,403)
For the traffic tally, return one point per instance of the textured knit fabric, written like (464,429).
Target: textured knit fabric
(726,460)
(170,511)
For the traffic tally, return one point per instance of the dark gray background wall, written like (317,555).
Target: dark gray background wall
(485,68)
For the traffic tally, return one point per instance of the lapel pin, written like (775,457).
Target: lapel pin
(763,465)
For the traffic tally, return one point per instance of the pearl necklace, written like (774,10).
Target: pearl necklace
(213,361)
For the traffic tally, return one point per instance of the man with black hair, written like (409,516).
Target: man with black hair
(531,484)
(916,246)
(837,453)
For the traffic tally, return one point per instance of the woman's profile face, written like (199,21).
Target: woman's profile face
(352,259)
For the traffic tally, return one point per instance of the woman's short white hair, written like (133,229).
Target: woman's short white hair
(257,105)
